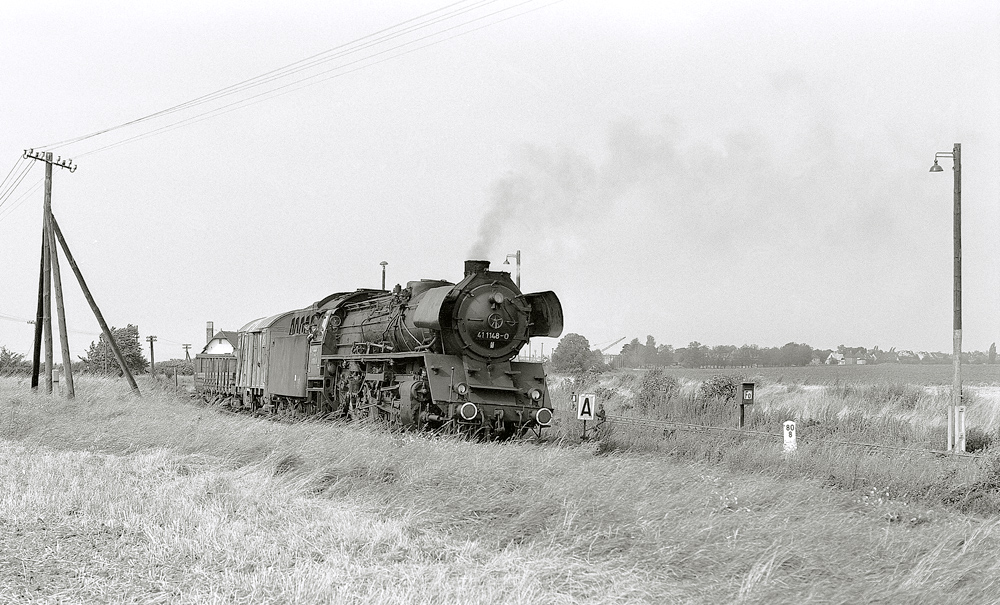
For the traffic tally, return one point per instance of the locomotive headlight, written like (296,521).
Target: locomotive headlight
(462,389)
(535,394)
(543,416)
(497,298)
(468,411)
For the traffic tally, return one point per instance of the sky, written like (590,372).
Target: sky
(726,172)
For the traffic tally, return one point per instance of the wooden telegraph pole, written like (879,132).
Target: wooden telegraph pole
(49,271)
(152,361)
(61,311)
(93,307)
(38,318)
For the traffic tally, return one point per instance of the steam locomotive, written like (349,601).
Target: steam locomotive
(433,355)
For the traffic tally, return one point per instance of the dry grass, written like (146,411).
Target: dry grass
(907,420)
(116,499)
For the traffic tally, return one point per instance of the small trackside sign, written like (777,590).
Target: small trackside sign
(746,393)
(586,406)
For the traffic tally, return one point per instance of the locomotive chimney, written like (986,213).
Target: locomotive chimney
(476,266)
(209,332)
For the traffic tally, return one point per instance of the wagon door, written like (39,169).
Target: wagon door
(287,365)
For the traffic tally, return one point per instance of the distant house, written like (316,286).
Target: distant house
(223,343)
(835,359)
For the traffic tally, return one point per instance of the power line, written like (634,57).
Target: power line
(12,169)
(32,321)
(292,68)
(274,92)
(20,200)
(369,42)
(6,192)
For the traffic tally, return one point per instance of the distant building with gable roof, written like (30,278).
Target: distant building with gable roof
(223,343)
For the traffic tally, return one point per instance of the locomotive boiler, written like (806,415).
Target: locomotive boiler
(433,355)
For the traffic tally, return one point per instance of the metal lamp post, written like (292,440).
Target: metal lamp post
(516,256)
(956,430)
(383,263)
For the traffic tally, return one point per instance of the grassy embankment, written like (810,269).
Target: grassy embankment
(832,407)
(110,498)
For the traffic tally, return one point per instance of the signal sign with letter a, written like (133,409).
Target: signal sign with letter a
(586,406)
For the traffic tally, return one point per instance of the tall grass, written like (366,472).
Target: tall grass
(838,426)
(112,498)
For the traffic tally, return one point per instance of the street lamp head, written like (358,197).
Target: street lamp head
(506,261)
(936,167)
(384,263)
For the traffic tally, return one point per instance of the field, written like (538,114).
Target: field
(934,374)
(907,401)
(111,498)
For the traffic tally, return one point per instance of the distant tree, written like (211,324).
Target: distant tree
(175,366)
(647,355)
(693,356)
(977,357)
(794,354)
(993,353)
(747,356)
(11,362)
(856,352)
(101,359)
(722,356)
(665,355)
(597,362)
(572,354)
(770,356)
(631,354)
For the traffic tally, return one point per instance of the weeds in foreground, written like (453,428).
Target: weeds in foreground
(158,500)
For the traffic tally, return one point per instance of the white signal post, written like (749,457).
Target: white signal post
(789,434)
(586,409)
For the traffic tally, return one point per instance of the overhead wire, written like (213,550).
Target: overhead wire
(20,200)
(291,68)
(280,90)
(422,21)
(367,42)
(20,159)
(6,190)
(32,321)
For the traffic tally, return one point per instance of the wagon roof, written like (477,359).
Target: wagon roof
(264,322)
